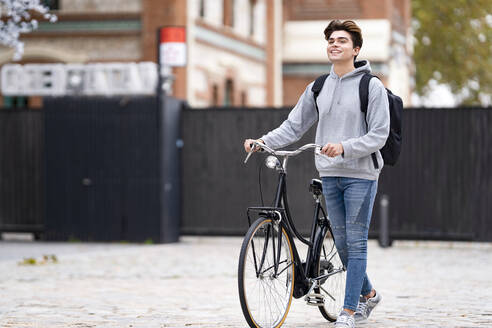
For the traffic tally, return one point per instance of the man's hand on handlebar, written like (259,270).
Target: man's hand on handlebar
(248,145)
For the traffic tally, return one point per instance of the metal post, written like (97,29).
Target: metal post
(168,123)
(170,168)
(384,238)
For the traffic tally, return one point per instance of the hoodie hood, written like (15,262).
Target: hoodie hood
(361,67)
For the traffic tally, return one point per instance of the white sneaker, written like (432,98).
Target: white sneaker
(345,320)
(365,307)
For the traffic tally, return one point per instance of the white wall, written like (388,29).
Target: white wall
(214,16)
(241,17)
(261,21)
(107,6)
(208,64)
(81,49)
(249,75)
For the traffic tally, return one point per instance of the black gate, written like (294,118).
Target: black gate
(105,177)
(440,189)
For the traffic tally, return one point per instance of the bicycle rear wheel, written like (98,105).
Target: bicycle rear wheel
(333,287)
(265,296)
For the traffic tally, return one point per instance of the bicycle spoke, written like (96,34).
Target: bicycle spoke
(288,265)
(281,262)
(327,293)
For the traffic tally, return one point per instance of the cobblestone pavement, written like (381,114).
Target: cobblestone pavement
(194,284)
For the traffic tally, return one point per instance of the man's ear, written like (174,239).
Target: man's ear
(357,50)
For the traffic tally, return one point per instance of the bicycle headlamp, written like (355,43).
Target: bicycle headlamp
(272,162)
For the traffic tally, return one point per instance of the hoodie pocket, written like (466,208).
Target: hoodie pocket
(362,164)
(351,163)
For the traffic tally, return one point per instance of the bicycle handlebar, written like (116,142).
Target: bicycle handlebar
(284,153)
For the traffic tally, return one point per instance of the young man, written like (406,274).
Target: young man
(349,176)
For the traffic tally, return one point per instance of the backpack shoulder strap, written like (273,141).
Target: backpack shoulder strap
(317,86)
(364,102)
(364,91)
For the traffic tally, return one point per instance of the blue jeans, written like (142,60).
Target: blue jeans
(349,203)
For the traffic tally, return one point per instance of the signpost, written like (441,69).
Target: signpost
(171,52)
(172,46)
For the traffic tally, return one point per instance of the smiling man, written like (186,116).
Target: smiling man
(349,174)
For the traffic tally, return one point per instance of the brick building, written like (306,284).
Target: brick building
(239,52)
(230,44)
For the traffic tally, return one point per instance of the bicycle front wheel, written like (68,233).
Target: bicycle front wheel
(265,295)
(333,287)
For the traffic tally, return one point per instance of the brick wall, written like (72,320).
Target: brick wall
(293,87)
(397,11)
(337,9)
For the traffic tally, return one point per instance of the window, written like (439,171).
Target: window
(215,95)
(229,93)
(14,102)
(252,4)
(202,9)
(229,13)
(51,4)
(244,99)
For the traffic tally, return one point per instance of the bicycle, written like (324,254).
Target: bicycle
(270,270)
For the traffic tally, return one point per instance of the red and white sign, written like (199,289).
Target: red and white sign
(172,46)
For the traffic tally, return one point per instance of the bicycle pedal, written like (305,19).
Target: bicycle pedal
(315,299)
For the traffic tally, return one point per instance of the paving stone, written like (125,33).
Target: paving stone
(193,283)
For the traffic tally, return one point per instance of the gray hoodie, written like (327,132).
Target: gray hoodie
(340,121)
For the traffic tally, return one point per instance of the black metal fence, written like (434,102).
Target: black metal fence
(442,186)
(107,169)
(106,178)
(440,189)
(92,169)
(21,170)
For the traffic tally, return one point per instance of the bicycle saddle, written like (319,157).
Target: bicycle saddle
(316,187)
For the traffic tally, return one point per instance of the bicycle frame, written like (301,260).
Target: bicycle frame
(304,273)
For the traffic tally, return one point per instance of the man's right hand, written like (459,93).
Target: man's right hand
(248,142)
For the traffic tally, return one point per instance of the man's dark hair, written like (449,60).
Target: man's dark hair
(348,26)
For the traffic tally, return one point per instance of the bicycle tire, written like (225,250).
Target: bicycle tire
(333,287)
(265,288)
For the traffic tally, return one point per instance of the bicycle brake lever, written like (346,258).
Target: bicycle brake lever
(247,157)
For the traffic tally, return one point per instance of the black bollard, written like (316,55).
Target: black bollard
(384,238)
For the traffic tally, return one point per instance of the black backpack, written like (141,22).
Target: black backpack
(392,147)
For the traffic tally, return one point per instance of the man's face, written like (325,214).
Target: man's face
(340,47)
